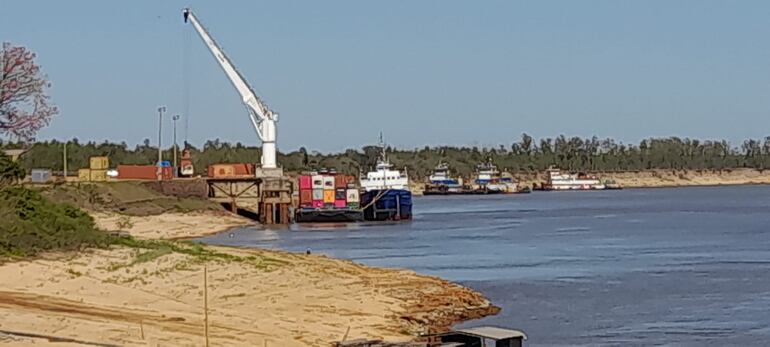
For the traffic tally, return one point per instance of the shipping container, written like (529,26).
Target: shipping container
(329,182)
(100,163)
(305,196)
(329,196)
(341,181)
(318,194)
(340,194)
(231,170)
(84,175)
(318,204)
(143,172)
(340,203)
(98,175)
(318,181)
(305,182)
(41,175)
(353,195)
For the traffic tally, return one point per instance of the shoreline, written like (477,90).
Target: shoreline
(153,294)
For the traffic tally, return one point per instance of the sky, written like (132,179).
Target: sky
(425,72)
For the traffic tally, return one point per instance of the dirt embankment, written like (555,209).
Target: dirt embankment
(134,296)
(146,213)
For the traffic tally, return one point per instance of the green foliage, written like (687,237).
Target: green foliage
(10,172)
(30,223)
(524,155)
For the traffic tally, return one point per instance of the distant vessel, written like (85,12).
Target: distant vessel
(442,183)
(490,181)
(386,194)
(557,180)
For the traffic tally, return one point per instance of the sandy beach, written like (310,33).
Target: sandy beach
(155,297)
(171,225)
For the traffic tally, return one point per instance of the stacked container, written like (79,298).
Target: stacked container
(99,166)
(305,191)
(317,183)
(353,198)
(84,175)
(327,191)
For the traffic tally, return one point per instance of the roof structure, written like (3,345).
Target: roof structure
(493,333)
(14,153)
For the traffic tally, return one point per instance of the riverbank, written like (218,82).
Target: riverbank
(135,296)
(145,290)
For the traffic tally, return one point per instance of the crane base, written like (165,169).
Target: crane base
(272,173)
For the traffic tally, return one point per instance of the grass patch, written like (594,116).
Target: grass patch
(30,223)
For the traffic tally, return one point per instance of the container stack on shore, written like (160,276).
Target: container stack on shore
(97,170)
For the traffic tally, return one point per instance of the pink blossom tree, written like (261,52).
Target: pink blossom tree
(25,106)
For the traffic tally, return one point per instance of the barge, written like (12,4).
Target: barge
(328,197)
(558,180)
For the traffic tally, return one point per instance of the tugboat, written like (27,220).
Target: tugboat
(441,183)
(489,180)
(386,194)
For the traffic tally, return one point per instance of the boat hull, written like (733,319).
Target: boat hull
(328,216)
(387,205)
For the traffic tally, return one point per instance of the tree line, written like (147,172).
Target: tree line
(525,155)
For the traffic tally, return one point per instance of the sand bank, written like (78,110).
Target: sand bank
(129,296)
(171,225)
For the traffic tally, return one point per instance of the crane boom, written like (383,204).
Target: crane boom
(262,118)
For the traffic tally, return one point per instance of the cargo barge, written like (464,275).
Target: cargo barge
(558,180)
(328,197)
(383,195)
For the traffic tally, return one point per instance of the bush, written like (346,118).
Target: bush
(30,223)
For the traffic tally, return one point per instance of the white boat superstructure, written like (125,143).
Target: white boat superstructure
(384,177)
(488,177)
(558,180)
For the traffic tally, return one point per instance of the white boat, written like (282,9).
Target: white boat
(384,177)
(558,180)
(489,178)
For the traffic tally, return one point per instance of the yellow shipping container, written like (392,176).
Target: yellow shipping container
(98,175)
(84,175)
(328,196)
(100,163)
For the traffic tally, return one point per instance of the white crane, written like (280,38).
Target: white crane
(262,117)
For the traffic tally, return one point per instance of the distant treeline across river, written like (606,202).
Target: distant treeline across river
(524,155)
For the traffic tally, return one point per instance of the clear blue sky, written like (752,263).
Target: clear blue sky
(423,72)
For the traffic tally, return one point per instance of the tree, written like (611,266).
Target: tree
(25,106)
(10,172)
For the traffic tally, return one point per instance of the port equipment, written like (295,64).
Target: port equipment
(262,118)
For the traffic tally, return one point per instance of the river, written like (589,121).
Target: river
(668,266)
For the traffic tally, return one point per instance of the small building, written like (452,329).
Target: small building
(483,337)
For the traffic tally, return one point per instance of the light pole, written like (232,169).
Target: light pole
(160,147)
(175,118)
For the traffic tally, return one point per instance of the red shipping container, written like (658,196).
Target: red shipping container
(306,196)
(305,182)
(340,203)
(318,204)
(137,172)
(231,170)
(340,181)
